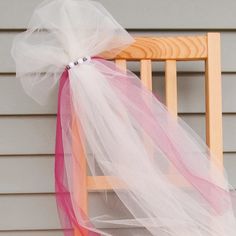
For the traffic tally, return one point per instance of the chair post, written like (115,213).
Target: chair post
(213,98)
(80,174)
(146,73)
(171,86)
(121,64)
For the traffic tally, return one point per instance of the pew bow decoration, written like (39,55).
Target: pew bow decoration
(122,130)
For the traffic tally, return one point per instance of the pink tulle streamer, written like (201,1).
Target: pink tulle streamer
(63,196)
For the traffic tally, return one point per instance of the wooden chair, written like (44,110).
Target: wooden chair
(173,49)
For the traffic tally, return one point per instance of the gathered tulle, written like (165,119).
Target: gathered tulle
(60,32)
(169,184)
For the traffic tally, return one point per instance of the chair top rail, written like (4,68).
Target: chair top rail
(166,48)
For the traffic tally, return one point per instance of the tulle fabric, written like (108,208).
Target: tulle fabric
(60,32)
(170,185)
(134,138)
(65,192)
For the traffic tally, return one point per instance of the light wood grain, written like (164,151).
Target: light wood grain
(213,95)
(101,183)
(146,73)
(79,172)
(121,64)
(166,48)
(171,86)
(171,101)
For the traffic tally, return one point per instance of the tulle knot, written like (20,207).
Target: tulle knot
(78,62)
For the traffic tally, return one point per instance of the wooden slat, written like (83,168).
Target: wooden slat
(79,173)
(166,48)
(171,86)
(121,64)
(171,99)
(146,73)
(214,98)
(146,78)
(100,183)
